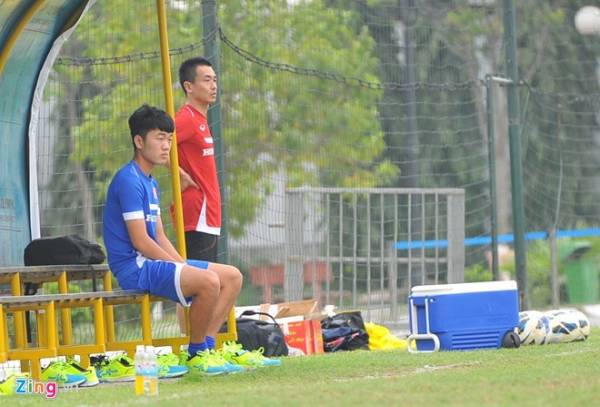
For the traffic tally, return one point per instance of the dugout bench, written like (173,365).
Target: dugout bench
(102,302)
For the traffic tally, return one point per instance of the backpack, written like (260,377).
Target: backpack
(344,331)
(254,334)
(59,250)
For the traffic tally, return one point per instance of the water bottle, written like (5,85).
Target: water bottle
(140,373)
(152,372)
(3,374)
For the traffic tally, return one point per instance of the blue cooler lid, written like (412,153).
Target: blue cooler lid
(442,289)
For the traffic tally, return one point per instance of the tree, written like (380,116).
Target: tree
(459,43)
(327,135)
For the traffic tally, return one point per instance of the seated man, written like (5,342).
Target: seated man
(141,256)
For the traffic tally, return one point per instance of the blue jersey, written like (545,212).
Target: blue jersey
(131,195)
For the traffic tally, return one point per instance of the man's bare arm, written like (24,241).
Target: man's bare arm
(144,244)
(185,179)
(165,243)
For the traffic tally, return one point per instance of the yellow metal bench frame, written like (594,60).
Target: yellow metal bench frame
(105,327)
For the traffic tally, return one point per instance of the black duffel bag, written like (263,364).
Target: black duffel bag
(254,334)
(59,250)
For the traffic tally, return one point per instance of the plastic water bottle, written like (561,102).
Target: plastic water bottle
(151,387)
(3,374)
(140,369)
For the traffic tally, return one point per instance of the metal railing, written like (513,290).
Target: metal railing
(350,237)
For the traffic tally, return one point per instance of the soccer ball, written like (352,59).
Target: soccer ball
(567,325)
(532,328)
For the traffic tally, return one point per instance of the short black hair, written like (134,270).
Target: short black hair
(147,118)
(187,70)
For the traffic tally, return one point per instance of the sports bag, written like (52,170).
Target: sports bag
(344,331)
(254,334)
(59,250)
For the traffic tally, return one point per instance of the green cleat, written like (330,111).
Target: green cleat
(169,366)
(235,354)
(210,363)
(117,369)
(7,386)
(91,378)
(63,374)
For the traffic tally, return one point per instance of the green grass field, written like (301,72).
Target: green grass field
(550,375)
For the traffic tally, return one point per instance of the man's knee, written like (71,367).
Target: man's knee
(240,278)
(233,277)
(199,281)
(209,281)
(237,276)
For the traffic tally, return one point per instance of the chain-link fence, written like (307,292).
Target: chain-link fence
(340,94)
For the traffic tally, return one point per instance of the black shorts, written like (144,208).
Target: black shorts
(201,246)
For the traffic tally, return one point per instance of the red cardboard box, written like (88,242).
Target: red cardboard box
(304,335)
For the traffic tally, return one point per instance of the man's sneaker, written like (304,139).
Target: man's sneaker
(210,363)
(183,357)
(62,374)
(168,366)
(234,353)
(117,369)
(8,385)
(91,378)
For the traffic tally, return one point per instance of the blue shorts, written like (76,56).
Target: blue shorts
(163,279)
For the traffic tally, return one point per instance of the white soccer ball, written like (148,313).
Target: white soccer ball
(587,20)
(567,325)
(532,327)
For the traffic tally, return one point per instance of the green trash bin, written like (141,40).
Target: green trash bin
(583,279)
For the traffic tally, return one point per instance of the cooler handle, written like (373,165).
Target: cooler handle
(414,327)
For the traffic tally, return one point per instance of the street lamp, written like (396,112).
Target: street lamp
(587,20)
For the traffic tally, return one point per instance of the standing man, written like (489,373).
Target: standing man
(199,183)
(201,196)
(141,256)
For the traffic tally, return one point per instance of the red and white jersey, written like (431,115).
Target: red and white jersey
(201,207)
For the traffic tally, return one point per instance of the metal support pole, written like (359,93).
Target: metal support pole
(210,28)
(393,279)
(510,41)
(412,143)
(170,108)
(489,86)
(293,282)
(456,237)
(554,267)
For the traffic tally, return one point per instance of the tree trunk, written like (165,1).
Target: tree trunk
(83,186)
